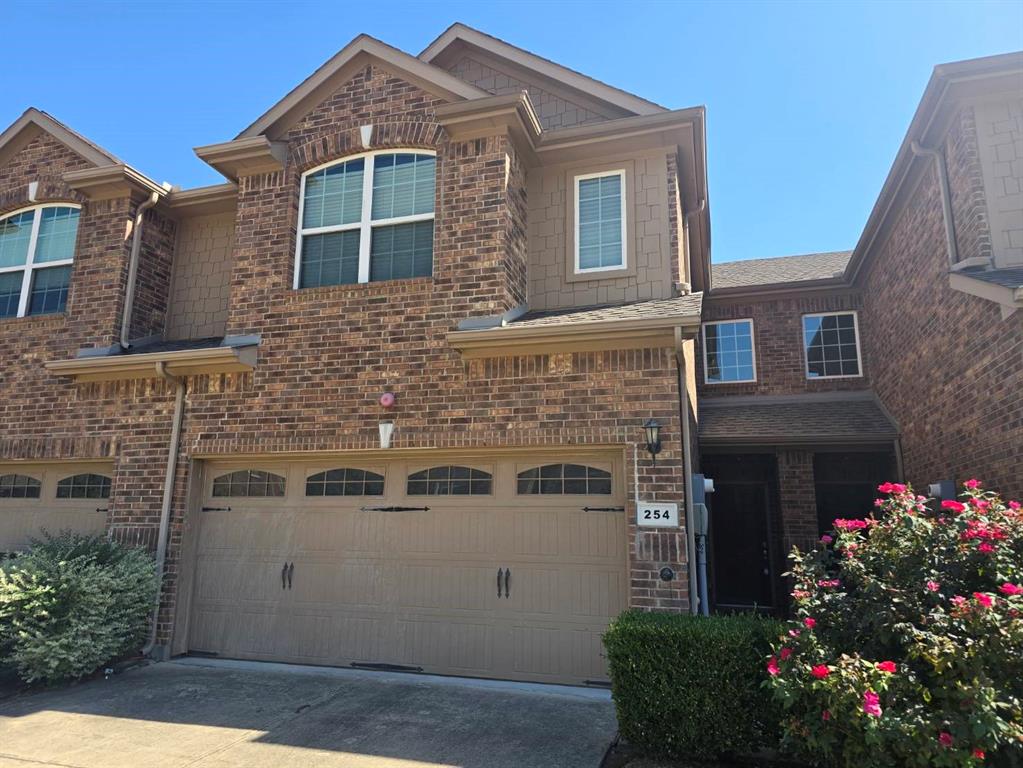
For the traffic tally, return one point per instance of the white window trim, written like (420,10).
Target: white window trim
(625,242)
(753,350)
(366,221)
(30,267)
(856,332)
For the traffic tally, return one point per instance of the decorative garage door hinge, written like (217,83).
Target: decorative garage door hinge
(394,509)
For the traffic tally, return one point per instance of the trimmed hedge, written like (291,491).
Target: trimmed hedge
(71,603)
(692,686)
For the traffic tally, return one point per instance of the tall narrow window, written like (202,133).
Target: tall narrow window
(600,222)
(831,343)
(728,352)
(366,219)
(37,248)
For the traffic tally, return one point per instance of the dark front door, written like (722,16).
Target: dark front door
(741,544)
(846,484)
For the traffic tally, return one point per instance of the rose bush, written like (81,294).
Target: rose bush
(907,646)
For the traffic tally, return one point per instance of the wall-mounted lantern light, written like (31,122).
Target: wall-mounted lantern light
(653,438)
(386,430)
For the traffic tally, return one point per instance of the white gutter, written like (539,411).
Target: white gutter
(133,267)
(687,469)
(946,199)
(168,495)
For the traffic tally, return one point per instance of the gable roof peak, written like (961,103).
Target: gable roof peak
(330,75)
(463,33)
(33,121)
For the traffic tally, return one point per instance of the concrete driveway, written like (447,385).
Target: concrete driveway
(224,714)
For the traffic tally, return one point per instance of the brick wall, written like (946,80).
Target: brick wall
(778,343)
(797,499)
(152,287)
(945,363)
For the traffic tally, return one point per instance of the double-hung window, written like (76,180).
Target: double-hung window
(367,218)
(37,248)
(831,344)
(600,222)
(728,355)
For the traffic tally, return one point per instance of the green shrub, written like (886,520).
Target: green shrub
(691,686)
(907,649)
(72,603)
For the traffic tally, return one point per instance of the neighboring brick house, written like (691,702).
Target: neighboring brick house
(379,399)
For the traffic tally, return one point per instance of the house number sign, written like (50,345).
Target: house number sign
(655,515)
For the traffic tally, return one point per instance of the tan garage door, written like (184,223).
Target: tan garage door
(506,568)
(51,497)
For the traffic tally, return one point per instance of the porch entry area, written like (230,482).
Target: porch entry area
(482,566)
(765,502)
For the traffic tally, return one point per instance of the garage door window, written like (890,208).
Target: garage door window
(450,481)
(84,486)
(19,487)
(558,479)
(249,482)
(345,481)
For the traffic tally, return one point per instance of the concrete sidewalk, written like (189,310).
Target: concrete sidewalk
(224,714)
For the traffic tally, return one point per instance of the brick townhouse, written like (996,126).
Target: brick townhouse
(394,392)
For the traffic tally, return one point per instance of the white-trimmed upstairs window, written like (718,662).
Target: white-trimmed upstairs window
(37,248)
(728,355)
(831,342)
(367,218)
(600,222)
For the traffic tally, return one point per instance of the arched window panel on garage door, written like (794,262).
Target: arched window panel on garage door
(345,481)
(562,479)
(249,482)
(19,487)
(450,481)
(84,486)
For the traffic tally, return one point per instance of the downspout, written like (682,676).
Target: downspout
(946,199)
(687,469)
(168,495)
(133,267)
(685,235)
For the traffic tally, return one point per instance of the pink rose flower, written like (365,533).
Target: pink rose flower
(983,599)
(986,548)
(786,653)
(850,525)
(887,666)
(872,704)
(825,539)
(825,715)
(1010,589)
(820,671)
(933,586)
(772,667)
(829,583)
(809,623)
(945,739)
(972,483)
(885,488)
(1014,505)
(794,633)
(978,753)
(955,506)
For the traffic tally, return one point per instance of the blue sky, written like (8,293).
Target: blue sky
(806,102)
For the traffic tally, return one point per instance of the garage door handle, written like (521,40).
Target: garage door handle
(291,572)
(499,581)
(284,576)
(507,582)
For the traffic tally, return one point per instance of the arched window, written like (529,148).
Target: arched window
(37,247)
(367,218)
(344,481)
(449,481)
(249,482)
(84,486)
(19,487)
(564,479)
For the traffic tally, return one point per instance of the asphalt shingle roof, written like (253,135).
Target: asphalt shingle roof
(1008,277)
(689,305)
(783,269)
(795,420)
